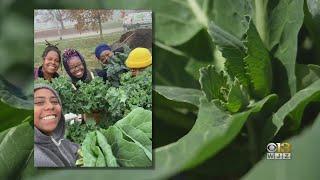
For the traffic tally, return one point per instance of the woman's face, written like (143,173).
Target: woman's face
(76,67)
(135,71)
(51,62)
(105,55)
(47,110)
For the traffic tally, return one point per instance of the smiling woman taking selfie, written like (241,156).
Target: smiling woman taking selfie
(51,149)
(51,57)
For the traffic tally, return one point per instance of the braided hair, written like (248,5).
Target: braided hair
(51,47)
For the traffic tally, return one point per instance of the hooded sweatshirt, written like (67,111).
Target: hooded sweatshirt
(54,150)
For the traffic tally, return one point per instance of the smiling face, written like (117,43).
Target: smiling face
(47,111)
(51,63)
(76,67)
(105,55)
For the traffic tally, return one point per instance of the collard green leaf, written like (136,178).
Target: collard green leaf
(284,24)
(139,118)
(306,75)
(178,94)
(314,7)
(16,144)
(134,127)
(211,82)
(128,154)
(138,137)
(258,64)
(166,71)
(230,16)
(89,159)
(303,163)
(238,98)
(13,96)
(233,50)
(101,162)
(204,45)
(293,108)
(107,151)
(193,67)
(11,116)
(212,131)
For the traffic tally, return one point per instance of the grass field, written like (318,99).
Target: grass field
(85,46)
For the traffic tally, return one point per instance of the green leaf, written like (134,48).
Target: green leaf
(139,118)
(13,96)
(284,24)
(178,94)
(193,67)
(258,64)
(304,160)
(213,130)
(167,72)
(16,144)
(11,117)
(233,50)
(89,159)
(204,45)
(211,82)
(137,126)
(128,154)
(238,98)
(230,16)
(293,108)
(306,75)
(138,137)
(101,162)
(107,151)
(314,7)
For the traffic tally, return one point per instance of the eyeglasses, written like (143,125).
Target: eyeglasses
(79,66)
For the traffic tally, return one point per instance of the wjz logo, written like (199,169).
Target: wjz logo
(279,151)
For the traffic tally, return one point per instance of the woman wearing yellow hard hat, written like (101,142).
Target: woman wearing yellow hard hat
(138,59)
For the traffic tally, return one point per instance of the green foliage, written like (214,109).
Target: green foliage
(90,96)
(77,131)
(115,67)
(133,92)
(126,144)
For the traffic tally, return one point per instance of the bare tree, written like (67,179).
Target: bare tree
(55,15)
(89,19)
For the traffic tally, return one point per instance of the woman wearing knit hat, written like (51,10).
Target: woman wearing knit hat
(138,59)
(50,147)
(103,52)
(75,66)
(51,61)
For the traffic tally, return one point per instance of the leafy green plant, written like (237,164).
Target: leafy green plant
(115,66)
(126,144)
(77,131)
(133,92)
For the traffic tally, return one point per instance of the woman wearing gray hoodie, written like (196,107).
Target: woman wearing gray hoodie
(50,147)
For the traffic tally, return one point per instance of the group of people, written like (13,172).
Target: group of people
(51,149)
(75,64)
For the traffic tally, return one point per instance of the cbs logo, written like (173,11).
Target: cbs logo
(279,148)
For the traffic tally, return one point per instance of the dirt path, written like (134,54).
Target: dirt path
(70,36)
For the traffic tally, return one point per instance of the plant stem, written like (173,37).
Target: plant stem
(252,141)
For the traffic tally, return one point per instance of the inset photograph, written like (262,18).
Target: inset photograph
(93,88)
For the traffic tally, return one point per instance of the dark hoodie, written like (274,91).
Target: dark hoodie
(54,150)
